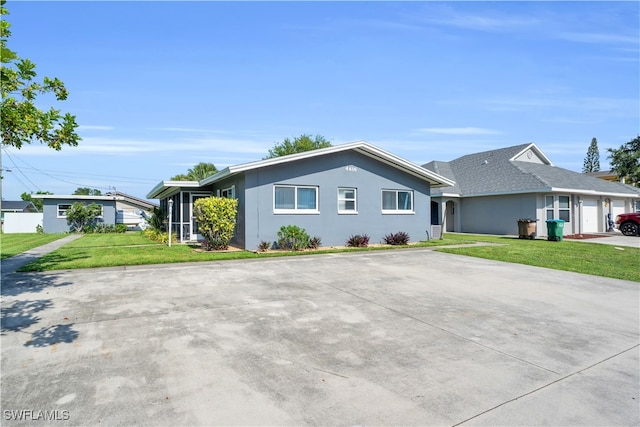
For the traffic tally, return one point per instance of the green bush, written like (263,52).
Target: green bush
(80,215)
(216,218)
(358,241)
(292,237)
(159,236)
(156,221)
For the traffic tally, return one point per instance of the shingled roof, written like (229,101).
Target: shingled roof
(503,171)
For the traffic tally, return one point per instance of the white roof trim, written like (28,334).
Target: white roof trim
(535,148)
(74,196)
(360,146)
(167,186)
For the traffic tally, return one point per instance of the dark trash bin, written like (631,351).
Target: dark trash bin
(527,228)
(554,229)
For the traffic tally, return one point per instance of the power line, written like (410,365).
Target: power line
(15,167)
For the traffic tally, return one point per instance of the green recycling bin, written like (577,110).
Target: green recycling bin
(554,229)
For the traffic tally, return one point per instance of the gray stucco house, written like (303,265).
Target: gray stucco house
(117,208)
(332,193)
(493,189)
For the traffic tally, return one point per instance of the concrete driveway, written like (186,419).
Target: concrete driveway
(410,337)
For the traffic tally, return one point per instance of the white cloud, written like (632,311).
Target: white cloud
(599,38)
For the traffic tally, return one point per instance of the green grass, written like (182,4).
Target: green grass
(106,250)
(110,250)
(13,244)
(580,257)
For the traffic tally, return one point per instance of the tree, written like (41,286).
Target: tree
(86,191)
(625,161)
(299,144)
(21,121)
(36,202)
(216,218)
(197,173)
(80,215)
(592,161)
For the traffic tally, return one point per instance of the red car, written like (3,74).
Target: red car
(629,223)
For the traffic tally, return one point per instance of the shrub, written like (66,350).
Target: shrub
(216,218)
(399,238)
(156,221)
(292,237)
(120,228)
(79,215)
(264,246)
(39,229)
(314,242)
(159,236)
(358,241)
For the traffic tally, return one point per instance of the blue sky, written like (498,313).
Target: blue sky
(158,87)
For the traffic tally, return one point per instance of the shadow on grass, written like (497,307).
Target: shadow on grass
(21,313)
(51,259)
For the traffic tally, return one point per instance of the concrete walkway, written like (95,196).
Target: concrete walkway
(10,265)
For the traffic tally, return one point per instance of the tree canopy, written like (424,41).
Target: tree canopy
(36,202)
(86,191)
(592,161)
(299,144)
(22,122)
(625,161)
(197,173)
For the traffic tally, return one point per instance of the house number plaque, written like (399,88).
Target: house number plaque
(351,168)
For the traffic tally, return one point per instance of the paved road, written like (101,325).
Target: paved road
(382,338)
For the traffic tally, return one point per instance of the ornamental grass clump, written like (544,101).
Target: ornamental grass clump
(358,241)
(399,238)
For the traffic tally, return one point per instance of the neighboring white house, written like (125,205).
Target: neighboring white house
(493,189)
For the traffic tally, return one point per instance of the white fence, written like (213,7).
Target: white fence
(21,222)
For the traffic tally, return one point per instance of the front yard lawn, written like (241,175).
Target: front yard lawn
(13,244)
(580,257)
(106,250)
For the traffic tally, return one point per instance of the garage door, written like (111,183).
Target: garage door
(590,217)
(617,207)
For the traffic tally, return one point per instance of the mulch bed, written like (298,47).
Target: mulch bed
(584,236)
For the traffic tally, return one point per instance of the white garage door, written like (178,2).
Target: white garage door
(617,207)
(590,218)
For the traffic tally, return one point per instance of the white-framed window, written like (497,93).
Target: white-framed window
(229,193)
(62,210)
(347,201)
(397,201)
(558,207)
(297,199)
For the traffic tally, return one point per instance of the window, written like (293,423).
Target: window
(347,200)
(62,210)
(229,193)
(295,199)
(564,208)
(549,206)
(558,207)
(397,201)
